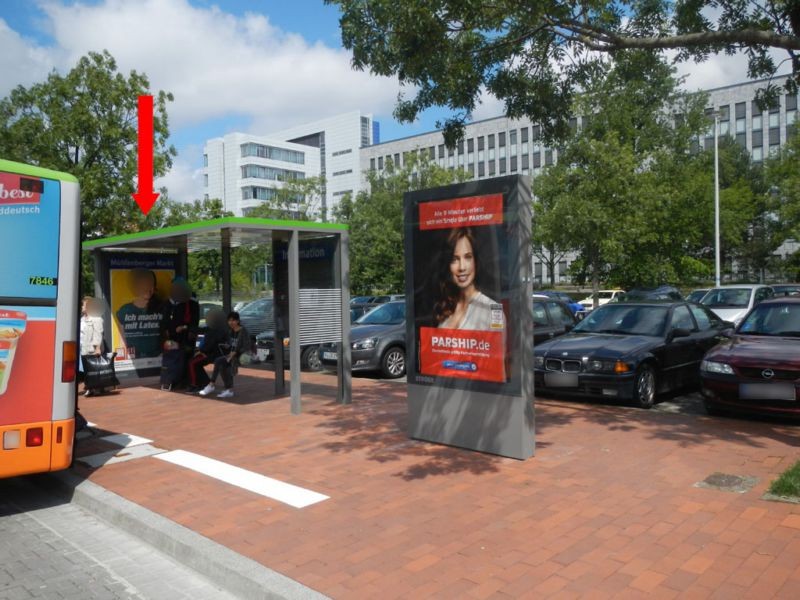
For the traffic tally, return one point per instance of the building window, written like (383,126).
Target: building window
(345,172)
(502,167)
(536,134)
(470,145)
(537,161)
(371,164)
(340,152)
(491,153)
(502,151)
(774,119)
(365,131)
(441,150)
(480,143)
(523,135)
(491,168)
(513,164)
(741,125)
(757,138)
(342,193)
(774,136)
(512,137)
(524,147)
(501,139)
(756,122)
(281,154)
(491,141)
(205,160)
(740,110)
(481,169)
(548,157)
(525,164)
(380,163)
(432,152)
(252,192)
(758,154)
(397,159)
(480,155)
(271,173)
(205,180)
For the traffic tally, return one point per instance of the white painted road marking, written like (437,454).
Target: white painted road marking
(126,440)
(259,484)
(119,455)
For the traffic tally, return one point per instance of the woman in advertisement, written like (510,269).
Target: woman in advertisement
(460,303)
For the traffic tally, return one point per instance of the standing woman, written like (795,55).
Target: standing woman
(91,331)
(461,304)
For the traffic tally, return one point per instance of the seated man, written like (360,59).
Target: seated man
(227,365)
(215,335)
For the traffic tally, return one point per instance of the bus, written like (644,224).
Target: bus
(39,296)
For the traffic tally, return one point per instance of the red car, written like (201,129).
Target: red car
(758,370)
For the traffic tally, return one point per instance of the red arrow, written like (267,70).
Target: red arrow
(145,197)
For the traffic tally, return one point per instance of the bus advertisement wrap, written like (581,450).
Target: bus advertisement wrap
(139,286)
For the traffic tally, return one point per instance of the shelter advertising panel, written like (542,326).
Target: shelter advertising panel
(139,287)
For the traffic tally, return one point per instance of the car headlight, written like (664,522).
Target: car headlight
(601,366)
(538,362)
(367,344)
(709,366)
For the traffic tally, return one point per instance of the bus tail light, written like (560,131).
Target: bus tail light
(69,362)
(34,437)
(11,439)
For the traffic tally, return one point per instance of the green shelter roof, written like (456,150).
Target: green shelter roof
(23,169)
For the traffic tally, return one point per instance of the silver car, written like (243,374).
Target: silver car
(732,302)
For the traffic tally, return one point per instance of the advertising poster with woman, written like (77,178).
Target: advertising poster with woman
(139,287)
(461,288)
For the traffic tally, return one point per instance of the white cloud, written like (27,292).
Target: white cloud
(217,64)
(184,181)
(718,71)
(488,106)
(21,61)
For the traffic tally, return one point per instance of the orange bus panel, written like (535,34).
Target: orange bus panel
(24,459)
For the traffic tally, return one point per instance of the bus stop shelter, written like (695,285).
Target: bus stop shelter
(310,268)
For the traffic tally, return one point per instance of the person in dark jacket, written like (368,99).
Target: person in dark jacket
(182,314)
(227,365)
(216,335)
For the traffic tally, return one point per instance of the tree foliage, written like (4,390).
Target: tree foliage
(535,56)
(375,217)
(296,199)
(85,123)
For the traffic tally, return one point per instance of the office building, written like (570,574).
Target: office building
(244,170)
(503,146)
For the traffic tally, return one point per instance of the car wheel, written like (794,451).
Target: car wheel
(310,359)
(644,387)
(393,363)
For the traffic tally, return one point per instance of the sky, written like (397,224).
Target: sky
(233,65)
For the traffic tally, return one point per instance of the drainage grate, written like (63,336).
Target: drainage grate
(727,483)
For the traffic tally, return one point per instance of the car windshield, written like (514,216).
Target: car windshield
(258,307)
(696,296)
(621,319)
(605,295)
(773,319)
(392,313)
(360,299)
(728,298)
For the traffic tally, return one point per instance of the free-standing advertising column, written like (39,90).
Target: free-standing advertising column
(469,324)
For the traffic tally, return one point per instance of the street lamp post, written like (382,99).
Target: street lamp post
(716,203)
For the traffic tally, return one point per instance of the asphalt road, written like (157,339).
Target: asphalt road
(50,549)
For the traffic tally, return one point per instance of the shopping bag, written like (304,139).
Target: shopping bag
(99,371)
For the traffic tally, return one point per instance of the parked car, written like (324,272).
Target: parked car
(697,295)
(359,310)
(644,294)
(603,298)
(733,302)
(378,342)
(205,307)
(258,316)
(361,300)
(575,307)
(551,318)
(786,289)
(758,369)
(630,351)
(265,350)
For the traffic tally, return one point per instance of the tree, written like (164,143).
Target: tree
(296,199)
(375,218)
(85,123)
(534,56)
(617,194)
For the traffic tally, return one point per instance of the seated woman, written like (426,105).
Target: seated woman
(227,365)
(215,335)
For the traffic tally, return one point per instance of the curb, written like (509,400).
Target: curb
(229,570)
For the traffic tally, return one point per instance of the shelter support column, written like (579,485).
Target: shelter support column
(343,370)
(225,241)
(294,320)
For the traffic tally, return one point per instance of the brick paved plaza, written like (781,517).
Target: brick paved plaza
(607,508)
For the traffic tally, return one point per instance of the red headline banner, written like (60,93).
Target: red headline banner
(462,354)
(462,212)
(11,191)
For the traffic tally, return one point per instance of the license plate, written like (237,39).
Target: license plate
(263,354)
(561,380)
(330,356)
(767,391)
